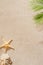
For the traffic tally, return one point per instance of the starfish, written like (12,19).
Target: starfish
(7,45)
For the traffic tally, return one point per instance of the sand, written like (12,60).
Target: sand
(16,23)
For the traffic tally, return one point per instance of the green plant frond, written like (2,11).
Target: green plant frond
(36,5)
(39,18)
(40,1)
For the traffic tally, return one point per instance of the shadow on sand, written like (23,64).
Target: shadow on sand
(39,27)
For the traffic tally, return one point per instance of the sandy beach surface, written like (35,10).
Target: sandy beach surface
(16,23)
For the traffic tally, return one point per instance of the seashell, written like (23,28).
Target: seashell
(5,59)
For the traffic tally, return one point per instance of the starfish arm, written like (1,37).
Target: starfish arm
(1,46)
(7,46)
(10,41)
(11,48)
(6,50)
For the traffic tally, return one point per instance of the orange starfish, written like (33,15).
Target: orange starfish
(7,46)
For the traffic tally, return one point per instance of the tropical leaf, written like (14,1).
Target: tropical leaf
(40,1)
(36,6)
(39,18)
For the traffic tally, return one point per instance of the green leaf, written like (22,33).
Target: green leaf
(36,5)
(40,1)
(39,18)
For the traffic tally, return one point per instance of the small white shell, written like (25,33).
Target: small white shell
(5,59)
